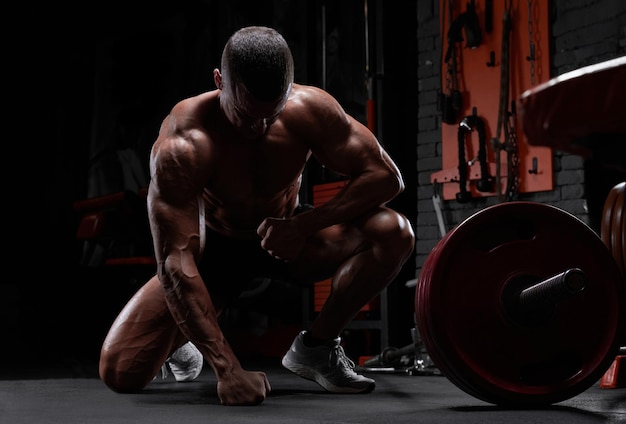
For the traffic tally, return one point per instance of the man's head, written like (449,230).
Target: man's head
(256,76)
(260,59)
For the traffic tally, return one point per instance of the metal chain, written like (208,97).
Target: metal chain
(448,84)
(512,182)
(448,79)
(496,144)
(531,58)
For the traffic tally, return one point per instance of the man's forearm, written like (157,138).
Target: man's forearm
(192,307)
(356,198)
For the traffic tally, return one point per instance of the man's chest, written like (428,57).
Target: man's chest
(263,170)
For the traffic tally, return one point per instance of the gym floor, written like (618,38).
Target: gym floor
(67,396)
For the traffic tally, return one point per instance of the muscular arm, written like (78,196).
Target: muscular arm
(348,148)
(177,165)
(344,146)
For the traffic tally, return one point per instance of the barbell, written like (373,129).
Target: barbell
(521,305)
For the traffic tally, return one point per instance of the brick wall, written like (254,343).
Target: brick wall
(583,32)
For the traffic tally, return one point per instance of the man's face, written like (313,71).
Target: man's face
(251,117)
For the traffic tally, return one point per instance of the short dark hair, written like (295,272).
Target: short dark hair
(260,59)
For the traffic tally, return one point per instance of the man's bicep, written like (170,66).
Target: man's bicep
(350,153)
(174,224)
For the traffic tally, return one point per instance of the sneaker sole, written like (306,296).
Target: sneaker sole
(311,374)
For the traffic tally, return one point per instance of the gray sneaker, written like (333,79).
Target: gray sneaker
(327,365)
(185,363)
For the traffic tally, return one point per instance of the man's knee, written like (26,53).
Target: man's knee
(119,379)
(394,235)
(405,236)
(389,224)
(123,383)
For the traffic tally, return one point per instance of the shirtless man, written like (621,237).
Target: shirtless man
(226,170)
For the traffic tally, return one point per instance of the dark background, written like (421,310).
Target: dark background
(89,83)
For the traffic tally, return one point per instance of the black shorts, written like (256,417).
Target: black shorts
(228,264)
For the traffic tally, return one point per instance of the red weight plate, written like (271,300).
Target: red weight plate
(470,331)
(617,229)
(623,241)
(607,216)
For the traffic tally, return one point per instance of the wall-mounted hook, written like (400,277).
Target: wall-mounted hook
(531,57)
(492,59)
(534,168)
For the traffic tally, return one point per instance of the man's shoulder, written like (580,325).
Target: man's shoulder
(195,103)
(192,113)
(314,102)
(187,121)
(299,90)
(310,96)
